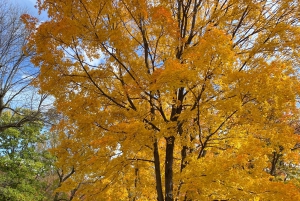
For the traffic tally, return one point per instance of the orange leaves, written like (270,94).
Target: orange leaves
(171,76)
(102,141)
(214,50)
(30,22)
(163,14)
(219,78)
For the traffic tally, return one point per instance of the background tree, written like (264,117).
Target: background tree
(16,71)
(204,90)
(22,165)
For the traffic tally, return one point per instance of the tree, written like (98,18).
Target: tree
(16,71)
(173,100)
(21,166)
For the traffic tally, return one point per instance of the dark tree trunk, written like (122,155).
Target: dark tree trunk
(275,158)
(170,141)
(169,168)
(159,191)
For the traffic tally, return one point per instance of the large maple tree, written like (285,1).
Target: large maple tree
(173,99)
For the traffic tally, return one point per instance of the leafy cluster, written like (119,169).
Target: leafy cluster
(205,90)
(21,165)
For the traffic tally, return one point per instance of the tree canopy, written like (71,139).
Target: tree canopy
(173,99)
(16,71)
(22,165)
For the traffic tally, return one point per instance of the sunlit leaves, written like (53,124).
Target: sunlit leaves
(218,77)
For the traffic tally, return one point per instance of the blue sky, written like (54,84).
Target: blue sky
(29,5)
(27,69)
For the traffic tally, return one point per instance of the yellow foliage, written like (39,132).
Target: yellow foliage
(173,100)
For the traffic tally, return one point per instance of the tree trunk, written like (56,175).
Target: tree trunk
(159,191)
(169,168)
